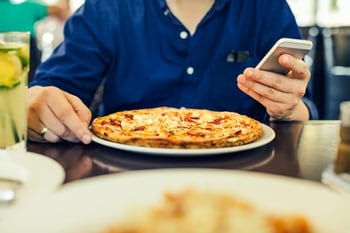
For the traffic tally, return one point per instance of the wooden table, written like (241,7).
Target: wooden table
(300,149)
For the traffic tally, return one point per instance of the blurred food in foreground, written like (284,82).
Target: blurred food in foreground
(193,211)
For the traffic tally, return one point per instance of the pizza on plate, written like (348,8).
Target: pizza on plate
(168,127)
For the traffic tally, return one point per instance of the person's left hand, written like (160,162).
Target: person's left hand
(281,95)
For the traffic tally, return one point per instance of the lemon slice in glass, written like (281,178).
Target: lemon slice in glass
(11,69)
(23,54)
(21,49)
(9,46)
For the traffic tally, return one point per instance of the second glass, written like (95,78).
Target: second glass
(14,67)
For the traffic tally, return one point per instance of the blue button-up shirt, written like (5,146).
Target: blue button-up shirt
(147,58)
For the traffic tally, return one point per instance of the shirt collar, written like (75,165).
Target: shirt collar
(219,4)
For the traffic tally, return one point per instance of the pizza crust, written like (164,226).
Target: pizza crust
(167,127)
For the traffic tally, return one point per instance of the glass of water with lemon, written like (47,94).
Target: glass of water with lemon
(14,67)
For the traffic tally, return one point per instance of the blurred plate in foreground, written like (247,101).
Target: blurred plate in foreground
(38,174)
(93,204)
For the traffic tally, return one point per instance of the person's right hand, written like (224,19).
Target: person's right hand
(54,115)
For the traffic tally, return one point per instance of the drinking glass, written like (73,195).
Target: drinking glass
(342,162)
(14,67)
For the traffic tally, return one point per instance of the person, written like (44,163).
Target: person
(181,53)
(22,15)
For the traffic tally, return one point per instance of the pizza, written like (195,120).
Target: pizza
(209,211)
(168,127)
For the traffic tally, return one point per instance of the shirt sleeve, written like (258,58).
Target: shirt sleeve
(78,64)
(312,108)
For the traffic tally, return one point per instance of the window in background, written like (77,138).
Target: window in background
(324,13)
(304,11)
(332,13)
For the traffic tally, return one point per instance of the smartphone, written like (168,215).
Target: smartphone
(295,47)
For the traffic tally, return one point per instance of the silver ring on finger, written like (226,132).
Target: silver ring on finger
(43,132)
(51,137)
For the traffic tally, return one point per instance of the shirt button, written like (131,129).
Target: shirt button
(190,70)
(183,35)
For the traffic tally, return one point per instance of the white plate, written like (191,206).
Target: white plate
(90,205)
(268,136)
(39,174)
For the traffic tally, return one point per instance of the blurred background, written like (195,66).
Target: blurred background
(325,22)
(49,30)
(44,19)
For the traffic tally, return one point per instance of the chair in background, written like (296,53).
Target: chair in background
(315,62)
(35,58)
(336,42)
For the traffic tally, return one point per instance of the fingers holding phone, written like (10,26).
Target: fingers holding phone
(280,95)
(268,84)
(297,68)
